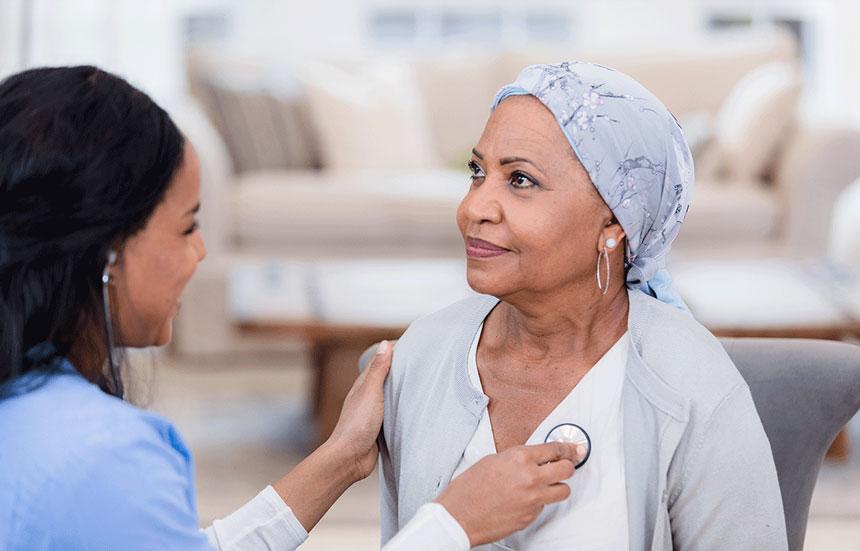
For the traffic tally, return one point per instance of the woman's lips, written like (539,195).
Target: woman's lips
(478,248)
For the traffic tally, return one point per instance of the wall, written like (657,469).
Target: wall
(144,40)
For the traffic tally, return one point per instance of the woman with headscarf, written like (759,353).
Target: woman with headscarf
(580,182)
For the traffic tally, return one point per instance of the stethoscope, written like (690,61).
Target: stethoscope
(571,433)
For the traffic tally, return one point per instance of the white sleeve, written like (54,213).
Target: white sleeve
(431,529)
(264,523)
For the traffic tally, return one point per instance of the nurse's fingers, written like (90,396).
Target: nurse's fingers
(556,471)
(380,363)
(552,451)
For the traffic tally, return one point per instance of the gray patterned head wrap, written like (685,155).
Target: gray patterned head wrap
(634,151)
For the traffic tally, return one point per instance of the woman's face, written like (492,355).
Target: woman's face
(154,265)
(532,221)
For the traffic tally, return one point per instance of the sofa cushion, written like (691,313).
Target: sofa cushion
(693,81)
(305,210)
(723,212)
(753,120)
(458,89)
(691,76)
(258,112)
(267,130)
(369,116)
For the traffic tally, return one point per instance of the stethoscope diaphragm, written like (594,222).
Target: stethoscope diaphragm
(571,433)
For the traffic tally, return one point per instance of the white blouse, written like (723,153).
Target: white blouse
(598,497)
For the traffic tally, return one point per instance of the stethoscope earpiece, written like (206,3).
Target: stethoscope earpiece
(118,390)
(571,433)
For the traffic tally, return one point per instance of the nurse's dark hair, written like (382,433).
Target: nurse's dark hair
(85,158)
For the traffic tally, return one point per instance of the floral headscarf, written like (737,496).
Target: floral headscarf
(634,151)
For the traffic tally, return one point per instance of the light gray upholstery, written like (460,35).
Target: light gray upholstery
(805,392)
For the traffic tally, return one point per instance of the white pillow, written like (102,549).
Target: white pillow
(752,121)
(264,129)
(368,116)
(459,87)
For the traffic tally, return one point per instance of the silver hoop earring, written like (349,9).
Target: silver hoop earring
(114,369)
(600,285)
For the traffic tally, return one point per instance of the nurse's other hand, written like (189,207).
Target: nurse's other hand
(361,416)
(505,492)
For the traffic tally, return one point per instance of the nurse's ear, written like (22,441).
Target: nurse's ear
(111,258)
(113,261)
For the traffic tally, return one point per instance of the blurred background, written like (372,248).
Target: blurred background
(334,135)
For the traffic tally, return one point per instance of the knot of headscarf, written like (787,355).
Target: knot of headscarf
(634,152)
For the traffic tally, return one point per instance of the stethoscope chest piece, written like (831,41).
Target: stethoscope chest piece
(571,433)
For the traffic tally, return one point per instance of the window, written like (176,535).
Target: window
(399,27)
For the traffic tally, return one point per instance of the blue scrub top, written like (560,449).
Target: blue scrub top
(80,469)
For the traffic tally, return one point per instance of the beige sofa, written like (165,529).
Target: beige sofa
(392,138)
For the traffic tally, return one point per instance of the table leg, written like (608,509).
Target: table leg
(337,369)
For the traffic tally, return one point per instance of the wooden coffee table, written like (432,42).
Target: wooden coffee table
(341,308)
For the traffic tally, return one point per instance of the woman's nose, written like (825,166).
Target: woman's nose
(482,204)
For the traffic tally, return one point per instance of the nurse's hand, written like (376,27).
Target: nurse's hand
(361,417)
(348,455)
(505,492)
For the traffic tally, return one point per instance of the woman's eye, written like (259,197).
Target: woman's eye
(194,227)
(522,181)
(475,170)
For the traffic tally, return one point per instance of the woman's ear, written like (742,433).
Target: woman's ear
(610,237)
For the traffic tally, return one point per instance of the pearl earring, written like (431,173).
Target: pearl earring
(611,243)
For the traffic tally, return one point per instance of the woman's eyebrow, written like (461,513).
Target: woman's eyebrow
(194,210)
(508,160)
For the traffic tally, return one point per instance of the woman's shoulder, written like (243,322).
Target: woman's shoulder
(433,344)
(681,351)
(455,320)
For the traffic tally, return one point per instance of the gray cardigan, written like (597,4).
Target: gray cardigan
(699,469)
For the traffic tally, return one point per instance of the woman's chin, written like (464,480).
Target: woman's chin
(484,283)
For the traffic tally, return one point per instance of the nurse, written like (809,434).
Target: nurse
(98,237)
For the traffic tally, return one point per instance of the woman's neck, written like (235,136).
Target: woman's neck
(559,325)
